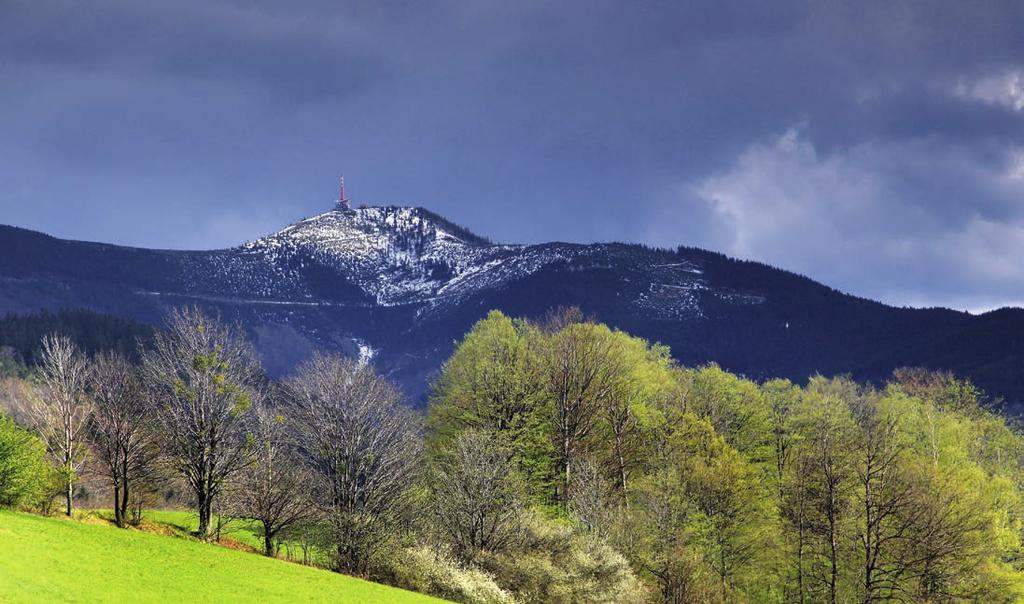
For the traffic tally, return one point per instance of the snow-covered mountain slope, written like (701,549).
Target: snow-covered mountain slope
(397,256)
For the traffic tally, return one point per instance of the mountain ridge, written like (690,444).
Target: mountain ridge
(401,284)
(688,249)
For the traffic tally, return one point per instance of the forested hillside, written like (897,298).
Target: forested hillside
(559,460)
(21,335)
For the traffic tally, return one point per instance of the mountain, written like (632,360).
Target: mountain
(401,285)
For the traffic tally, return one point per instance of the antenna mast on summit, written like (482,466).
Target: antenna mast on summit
(342,200)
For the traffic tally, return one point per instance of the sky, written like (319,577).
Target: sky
(877,147)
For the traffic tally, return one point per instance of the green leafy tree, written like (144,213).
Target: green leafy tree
(493,384)
(737,409)
(826,478)
(783,398)
(25,476)
(642,378)
(699,525)
(582,369)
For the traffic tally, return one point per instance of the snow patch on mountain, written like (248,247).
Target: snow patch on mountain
(366,352)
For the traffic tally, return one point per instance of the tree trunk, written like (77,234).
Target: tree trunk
(204,505)
(69,468)
(831,486)
(118,519)
(722,574)
(565,454)
(800,539)
(69,493)
(800,568)
(868,566)
(268,542)
(621,460)
(833,558)
(123,504)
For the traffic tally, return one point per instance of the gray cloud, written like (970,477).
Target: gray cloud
(870,145)
(866,215)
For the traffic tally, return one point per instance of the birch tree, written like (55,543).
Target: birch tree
(60,409)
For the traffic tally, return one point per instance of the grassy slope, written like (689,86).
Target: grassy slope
(50,559)
(244,532)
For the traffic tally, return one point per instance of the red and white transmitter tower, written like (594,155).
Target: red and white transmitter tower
(342,203)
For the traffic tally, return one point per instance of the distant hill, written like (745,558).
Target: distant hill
(400,285)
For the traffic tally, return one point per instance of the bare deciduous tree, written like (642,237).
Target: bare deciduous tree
(477,497)
(365,447)
(60,409)
(205,379)
(121,429)
(592,501)
(275,489)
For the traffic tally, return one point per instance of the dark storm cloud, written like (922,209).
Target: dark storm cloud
(876,146)
(206,41)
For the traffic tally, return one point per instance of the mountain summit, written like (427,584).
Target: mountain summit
(400,285)
(395,255)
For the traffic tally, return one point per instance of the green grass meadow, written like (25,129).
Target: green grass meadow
(59,560)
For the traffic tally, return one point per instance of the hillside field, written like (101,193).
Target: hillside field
(51,559)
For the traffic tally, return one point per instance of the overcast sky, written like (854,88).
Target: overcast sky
(877,147)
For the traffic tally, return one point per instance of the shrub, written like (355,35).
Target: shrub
(25,476)
(555,563)
(428,571)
